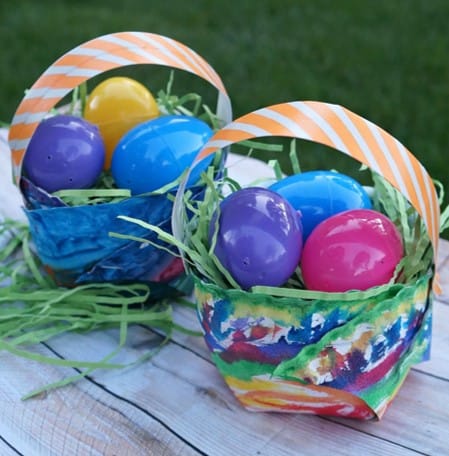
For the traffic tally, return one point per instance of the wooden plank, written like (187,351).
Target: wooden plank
(443,252)
(443,270)
(418,417)
(439,362)
(214,399)
(6,449)
(209,398)
(187,393)
(75,421)
(409,397)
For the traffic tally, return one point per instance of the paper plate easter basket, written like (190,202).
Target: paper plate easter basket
(73,242)
(290,350)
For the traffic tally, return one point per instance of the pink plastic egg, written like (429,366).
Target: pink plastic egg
(354,250)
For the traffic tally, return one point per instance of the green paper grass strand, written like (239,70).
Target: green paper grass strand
(33,309)
(276,168)
(293,155)
(92,196)
(198,252)
(105,190)
(99,365)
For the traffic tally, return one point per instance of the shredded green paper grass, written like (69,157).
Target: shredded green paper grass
(201,261)
(34,309)
(105,190)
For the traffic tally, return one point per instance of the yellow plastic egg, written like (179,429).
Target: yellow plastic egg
(116,105)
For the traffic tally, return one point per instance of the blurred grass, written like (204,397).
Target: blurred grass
(386,60)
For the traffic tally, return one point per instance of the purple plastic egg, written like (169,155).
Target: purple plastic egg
(259,237)
(354,250)
(65,152)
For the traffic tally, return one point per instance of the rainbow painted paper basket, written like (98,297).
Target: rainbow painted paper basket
(73,242)
(340,354)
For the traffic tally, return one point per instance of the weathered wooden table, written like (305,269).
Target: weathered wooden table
(177,403)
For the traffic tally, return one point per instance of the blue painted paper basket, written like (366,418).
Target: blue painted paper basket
(73,242)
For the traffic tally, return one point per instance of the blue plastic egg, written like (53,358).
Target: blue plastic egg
(156,152)
(321,194)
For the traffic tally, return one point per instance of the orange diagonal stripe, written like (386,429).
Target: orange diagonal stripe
(208,72)
(403,171)
(101,44)
(346,137)
(31,105)
(17,156)
(85,61)
(148,47)
(175,50)
(375,149)
(22,131)
(310,127)
(272,126)
(59,81)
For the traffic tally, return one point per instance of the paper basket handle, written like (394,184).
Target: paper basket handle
(97,56)
(341,129)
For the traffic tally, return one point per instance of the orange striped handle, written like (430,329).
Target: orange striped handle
(341,129)
(94,57)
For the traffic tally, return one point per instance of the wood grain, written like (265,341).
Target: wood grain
(443,268)
(6,449)
(185,392)
(75,420)
(177,404)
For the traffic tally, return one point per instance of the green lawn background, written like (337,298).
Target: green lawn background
(387,60)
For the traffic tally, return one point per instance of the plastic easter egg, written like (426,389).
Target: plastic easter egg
(321,194)
(157,152)
(64,152)
(259,237)
(354,250)
(116,105)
